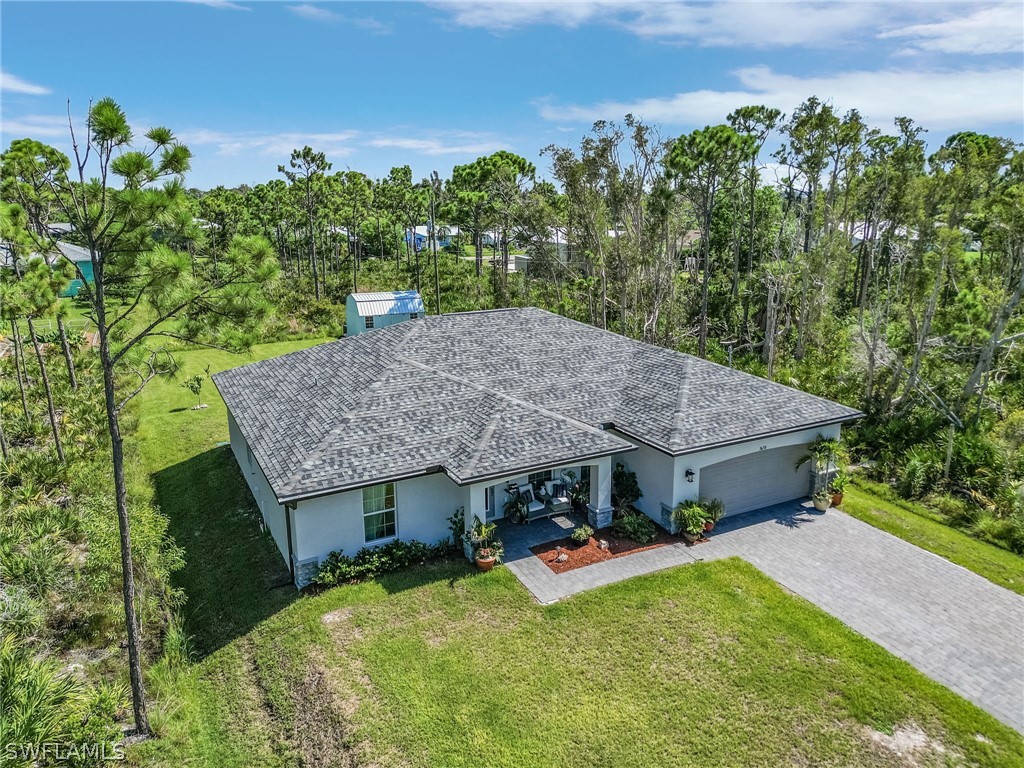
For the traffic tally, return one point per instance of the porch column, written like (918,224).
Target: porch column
(599,510)
(476,509)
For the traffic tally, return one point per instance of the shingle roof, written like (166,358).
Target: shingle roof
(482,394)
(387,303)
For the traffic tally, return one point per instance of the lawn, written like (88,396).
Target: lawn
(911,522)
(712,663)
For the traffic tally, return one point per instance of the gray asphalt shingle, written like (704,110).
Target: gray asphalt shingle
(480,394)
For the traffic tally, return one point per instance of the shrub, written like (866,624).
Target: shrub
(689,516)
(582,534)
(625,490)
(369,562)
(638,527)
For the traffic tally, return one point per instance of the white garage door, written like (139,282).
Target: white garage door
(757,479)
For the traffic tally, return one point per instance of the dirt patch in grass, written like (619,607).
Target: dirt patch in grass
(910,745)
(323,731)
(565,554)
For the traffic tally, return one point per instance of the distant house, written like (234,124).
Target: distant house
(76,254)
(366,311)
(80,257)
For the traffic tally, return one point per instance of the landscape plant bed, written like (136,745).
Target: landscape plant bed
(580,555)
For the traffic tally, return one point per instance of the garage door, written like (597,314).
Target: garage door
(757,479)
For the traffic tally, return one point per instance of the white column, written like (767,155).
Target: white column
(476,508)
(599,511)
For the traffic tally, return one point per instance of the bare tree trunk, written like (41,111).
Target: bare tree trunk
(121,499)
(3,435)
(68,360)
(770,321)
(20,370)
(988,351)
(49,392)
(702,343)
(926,325)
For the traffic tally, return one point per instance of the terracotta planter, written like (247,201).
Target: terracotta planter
(837,499)
(709,526)
(485,560)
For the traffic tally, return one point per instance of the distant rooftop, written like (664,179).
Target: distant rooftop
(387,303)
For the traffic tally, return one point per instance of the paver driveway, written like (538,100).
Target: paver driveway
(956,627)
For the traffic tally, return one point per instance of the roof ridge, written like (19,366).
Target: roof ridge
(485,435)
(682,397)
(344,419)
(511,398)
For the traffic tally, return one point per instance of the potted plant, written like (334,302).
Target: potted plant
(837,488)
(822,498)
(713,511)
(487,550)
(515,510)
(688,518)
(581,535)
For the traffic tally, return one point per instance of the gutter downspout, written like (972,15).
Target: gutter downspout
(288,508)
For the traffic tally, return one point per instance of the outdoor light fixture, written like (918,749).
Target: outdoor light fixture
(689,475)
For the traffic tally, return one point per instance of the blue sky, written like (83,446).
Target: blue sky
(431,85)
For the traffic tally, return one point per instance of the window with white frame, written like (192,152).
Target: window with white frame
(414,315)
(379,513)
(369,322)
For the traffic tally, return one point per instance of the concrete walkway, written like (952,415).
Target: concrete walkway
(950,623)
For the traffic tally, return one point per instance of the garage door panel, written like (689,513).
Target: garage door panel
(757,479)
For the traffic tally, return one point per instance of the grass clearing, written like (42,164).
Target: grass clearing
(915,524)
(712,663)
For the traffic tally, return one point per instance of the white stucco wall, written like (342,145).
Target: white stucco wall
(273,513)
(422,508)
(654,473)
(685,491)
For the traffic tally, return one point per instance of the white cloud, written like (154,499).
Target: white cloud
(36,126)
(455,144)
(221,5)
(277,144)
(934,99)
(314,12)
(733,24)
(964,27)
(995,29)
(14,84)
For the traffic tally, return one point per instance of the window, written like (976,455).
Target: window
(379,513)
(413,315)
(369,322)
(540,477)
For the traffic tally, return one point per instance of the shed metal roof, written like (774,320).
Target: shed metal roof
(484,394)
(387,303)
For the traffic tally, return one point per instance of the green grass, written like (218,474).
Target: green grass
(712,663)
(233,573)
(913,522)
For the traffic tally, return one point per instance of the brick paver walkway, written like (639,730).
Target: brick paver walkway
(950,623)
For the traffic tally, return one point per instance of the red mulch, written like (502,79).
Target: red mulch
(580,555)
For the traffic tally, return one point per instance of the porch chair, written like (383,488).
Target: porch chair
(534,507)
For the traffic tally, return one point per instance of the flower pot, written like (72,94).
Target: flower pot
(690,537)
(821,504)
(485,560)
(837,498)
(709,526)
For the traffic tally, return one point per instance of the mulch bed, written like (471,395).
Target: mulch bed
(580,555)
